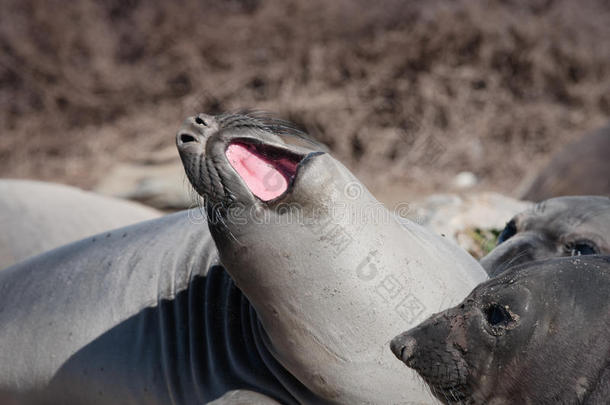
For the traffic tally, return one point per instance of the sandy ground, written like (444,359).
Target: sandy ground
(407,94)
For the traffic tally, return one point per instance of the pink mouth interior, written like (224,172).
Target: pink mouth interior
(267,171)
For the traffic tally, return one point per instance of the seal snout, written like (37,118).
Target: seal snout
(195,130)
(186,138)
(403,346)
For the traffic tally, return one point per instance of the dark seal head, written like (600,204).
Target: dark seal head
(562,226)
(537,334)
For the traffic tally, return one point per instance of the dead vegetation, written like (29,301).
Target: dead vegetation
(406,93)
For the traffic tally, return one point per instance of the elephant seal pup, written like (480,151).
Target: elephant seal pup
(563,226)
(581,167)
(331,273)
(138,315)
(537,334)
(37,216)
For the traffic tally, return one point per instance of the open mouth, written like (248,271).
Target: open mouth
(268,171)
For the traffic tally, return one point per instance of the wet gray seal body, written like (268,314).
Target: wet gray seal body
(580,168)
(37,216)
(332,274)
(562,226)
(139,315)
(536,334)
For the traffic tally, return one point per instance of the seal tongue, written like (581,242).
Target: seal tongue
(266,178)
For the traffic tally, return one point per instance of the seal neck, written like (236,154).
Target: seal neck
(236,351)
(289,382)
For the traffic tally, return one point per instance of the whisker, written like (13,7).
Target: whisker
(223,223)
(507,263)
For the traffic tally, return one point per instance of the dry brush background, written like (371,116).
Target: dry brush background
(406,93)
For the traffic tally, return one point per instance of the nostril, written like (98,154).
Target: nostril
(186,138)
(200,121)
(406,355)
(404,348)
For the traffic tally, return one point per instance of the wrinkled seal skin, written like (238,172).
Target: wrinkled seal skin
(563,226)
(330,288)
(537,334)
(138,315)
(36,217)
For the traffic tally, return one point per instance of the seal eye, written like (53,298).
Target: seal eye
(497,315)
(200,121)
(581,248)
(509,231)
